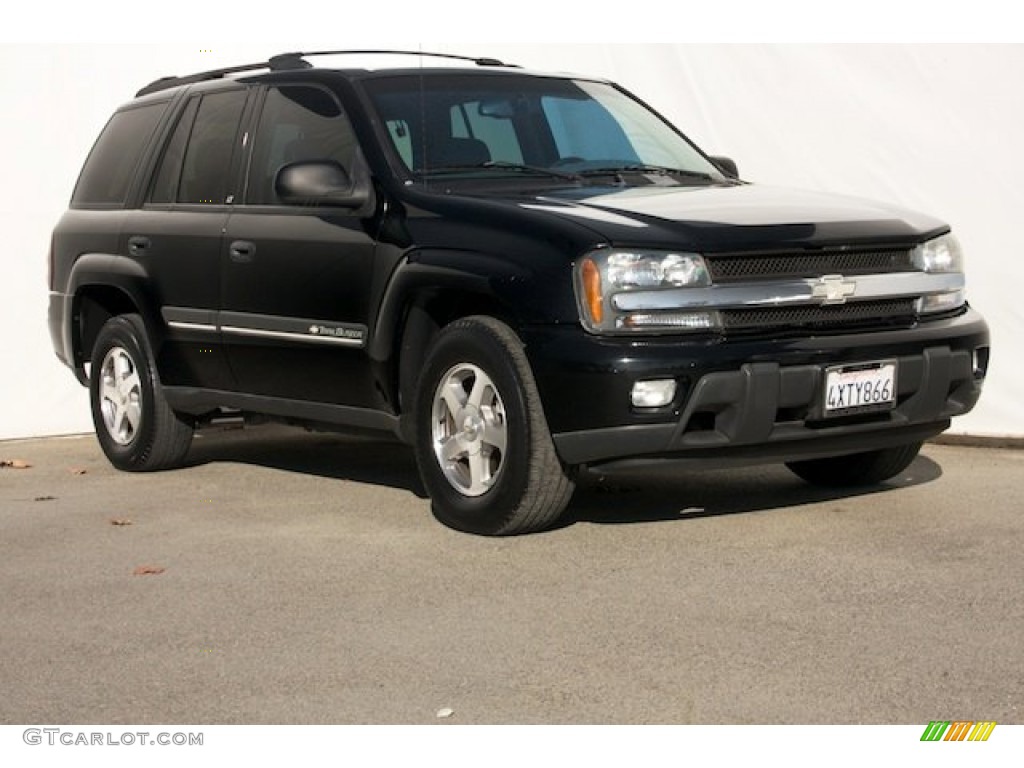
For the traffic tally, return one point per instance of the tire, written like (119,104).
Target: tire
(866,468)
(482,443)
(135,426)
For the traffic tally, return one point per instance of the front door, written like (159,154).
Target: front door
(296,280)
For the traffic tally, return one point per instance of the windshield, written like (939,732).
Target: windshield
(534,127)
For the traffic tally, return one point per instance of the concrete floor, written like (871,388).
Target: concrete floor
(305,581)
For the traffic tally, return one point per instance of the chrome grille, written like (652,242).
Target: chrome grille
(726,268)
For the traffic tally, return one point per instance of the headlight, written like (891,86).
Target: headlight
(627,269)
(943,254)
(603,274)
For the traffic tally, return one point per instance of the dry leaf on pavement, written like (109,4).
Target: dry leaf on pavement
(148,570)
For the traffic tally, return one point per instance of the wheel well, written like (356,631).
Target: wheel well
(94,306)
(425,316)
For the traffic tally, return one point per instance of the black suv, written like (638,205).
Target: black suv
(518,274)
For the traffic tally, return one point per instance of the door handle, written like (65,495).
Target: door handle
(242,251)
(138,245)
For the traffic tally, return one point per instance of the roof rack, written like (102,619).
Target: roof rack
(289,61)
(480,61)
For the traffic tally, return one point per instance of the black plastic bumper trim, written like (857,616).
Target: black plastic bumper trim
(750,412)
(794,450)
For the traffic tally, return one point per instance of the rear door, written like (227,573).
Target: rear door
(177,234)
(296,280)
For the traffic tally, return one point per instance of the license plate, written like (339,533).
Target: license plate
(860,388)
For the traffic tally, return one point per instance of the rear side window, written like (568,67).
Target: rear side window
(165,185)
(111,165)
(207,162)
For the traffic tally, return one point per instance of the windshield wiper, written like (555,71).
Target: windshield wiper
(504,166)
(642,168)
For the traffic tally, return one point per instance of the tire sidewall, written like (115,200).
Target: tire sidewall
(124,332)
(476,344)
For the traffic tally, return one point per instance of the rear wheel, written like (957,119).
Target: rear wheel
(482,443)
(135,426)
(857,469)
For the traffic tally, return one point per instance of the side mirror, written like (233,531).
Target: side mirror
(319,182)
(726,165)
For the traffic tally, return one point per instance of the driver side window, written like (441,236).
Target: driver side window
(298,122)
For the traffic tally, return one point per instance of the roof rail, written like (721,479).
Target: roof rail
(480,61)
(213,74)
(288,61)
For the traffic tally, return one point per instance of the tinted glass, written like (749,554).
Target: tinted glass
(443,123)
(207,163)
(165,186)
(297,123)
(115,156)
(585,128)
(498,132)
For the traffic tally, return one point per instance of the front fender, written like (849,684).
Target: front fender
(521,295)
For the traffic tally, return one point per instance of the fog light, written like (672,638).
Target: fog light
(980,362)
(653,394)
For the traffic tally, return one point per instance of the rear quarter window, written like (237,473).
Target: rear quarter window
(111,164)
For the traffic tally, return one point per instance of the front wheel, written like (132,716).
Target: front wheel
(135,426)
(866,468)
(482,443)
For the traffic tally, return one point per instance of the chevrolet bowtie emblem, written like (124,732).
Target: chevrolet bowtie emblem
(833,289)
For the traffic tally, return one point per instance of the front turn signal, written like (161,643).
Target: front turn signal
(592,291)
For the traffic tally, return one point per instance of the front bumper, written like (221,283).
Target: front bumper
(749,401)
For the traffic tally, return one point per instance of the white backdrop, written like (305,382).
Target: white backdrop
(933,127)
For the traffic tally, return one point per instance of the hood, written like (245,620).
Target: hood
(742,217)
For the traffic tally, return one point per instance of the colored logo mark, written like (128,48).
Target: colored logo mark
(958,730)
